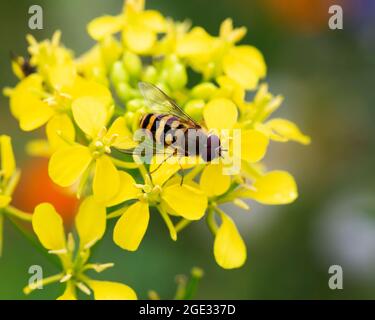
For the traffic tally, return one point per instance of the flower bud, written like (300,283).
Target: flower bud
(118,73)
(150,74)
(177,76)
(195,108)
(204,91)
(132,64)
(135,104)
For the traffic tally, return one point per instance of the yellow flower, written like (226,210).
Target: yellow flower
(164,193)
(52,61)
(75,162)
(33,107)
(217,56)
(90,223)
(255,114)
(8,173)
(139,27)
(95,63)
(222,113)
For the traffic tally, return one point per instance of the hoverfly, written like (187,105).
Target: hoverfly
(171,132)
(168,125)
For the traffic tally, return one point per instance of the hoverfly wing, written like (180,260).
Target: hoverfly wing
(149,147)
(159,102)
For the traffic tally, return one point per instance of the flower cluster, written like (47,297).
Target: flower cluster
(90,107)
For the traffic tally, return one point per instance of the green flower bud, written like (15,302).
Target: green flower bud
(204,91)
(163,87)
(150,74)
(177,76)
(194,108)
(118,73)
(124,91)
(135,104)
(129,119)
(132,64)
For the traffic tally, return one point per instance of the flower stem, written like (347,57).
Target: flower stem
(117,213)
(211,222)
(183,223)
(1,232)
(168,222)
(18,213)
(194,172)
(124,165)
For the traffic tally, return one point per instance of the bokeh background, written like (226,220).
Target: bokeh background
(327,78)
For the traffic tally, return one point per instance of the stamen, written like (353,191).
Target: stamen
(58,252)
(81,286)
(65,278)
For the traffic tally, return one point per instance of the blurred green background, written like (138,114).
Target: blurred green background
(327,77)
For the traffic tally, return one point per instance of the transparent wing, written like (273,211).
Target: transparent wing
(148,146)
(159,102)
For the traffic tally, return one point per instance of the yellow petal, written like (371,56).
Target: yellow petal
(69,293)
(48,226)
(106,180)
(161,172)
(60,126)
(68,164)
(107,290)
(90,222)
(4,200)
(220,113)
(253,145)
(24,95)
(127,190)
(124,138)
(139,39)
(186,201)
(153,20)
(8,163)
(104,26)
(229,248)
(245,65)
(213,182)
(275,187)
(194,43)
(285,130)
(132,226)
(90,114)
(35,116)
(89,88)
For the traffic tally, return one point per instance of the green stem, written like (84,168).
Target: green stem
(211,222)
(1,232)
(125,165)
(183,223)
(168,222)
(18,213)
(34,241)
(194,172)
(117,213)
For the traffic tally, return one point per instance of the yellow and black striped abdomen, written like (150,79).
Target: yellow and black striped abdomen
(163,127)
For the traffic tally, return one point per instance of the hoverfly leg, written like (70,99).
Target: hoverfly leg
(165,160)
(182,172)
